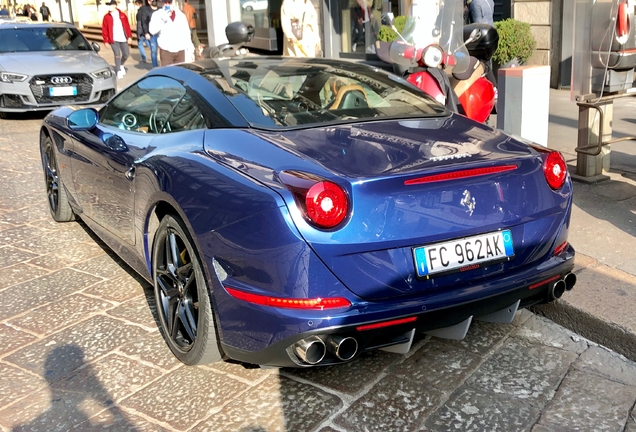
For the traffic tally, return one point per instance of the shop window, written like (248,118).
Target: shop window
(360,23)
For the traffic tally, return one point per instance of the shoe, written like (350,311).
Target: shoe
(122,70)
(120,75)
(143,60)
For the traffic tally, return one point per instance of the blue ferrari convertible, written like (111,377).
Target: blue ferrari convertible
(299,212)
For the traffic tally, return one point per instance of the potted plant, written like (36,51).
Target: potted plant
(516,43)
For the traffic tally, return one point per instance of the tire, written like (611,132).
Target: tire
(59,207)
(181,295)
(249,9)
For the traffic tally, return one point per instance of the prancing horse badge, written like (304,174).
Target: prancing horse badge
(468,202)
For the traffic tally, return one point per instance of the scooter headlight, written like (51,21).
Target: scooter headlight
(432,56)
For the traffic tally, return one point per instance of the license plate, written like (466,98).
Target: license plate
(464,254)
(63,91)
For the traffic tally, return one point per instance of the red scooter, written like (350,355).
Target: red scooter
(435,56)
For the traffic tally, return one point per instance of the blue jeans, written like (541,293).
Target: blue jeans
(153,51)
(141,41)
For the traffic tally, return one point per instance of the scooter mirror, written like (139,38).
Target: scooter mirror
(388,18)
(474,35)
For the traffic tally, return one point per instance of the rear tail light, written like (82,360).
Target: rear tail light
(290,303)
(555,169)
(560,248)
(324,203)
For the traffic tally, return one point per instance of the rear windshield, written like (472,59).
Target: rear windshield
(288,93)
(42,39)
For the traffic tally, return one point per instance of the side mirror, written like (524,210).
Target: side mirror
(81,120)
(95,46)
(474,35)
(388,18)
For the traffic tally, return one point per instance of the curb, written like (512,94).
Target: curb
(592,327)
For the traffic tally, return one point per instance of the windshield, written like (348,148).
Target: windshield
(42,39)
(287,93)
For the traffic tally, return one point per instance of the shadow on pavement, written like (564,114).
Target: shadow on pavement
(74,401)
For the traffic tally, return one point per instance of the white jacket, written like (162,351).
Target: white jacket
(174,36)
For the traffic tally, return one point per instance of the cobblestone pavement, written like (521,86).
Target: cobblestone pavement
(80,350)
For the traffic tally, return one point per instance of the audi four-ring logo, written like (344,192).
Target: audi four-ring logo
(61,80)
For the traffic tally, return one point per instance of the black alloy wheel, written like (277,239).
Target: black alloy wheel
(181,295)
(59,207)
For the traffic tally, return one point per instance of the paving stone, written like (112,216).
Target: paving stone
(607,364)
(68,256)
(32,213)
(185,396)
(541,330)
(586,401)
(140,310)
(521,370)
(12,339)
(349,378)
(13,201)
(50,411)
(118,421)
(521,317)
(104,266)
(19,233)
(252,375)
(328,429)
(62,313)
(10,256)
(469,409)
(61,353)
(16,383)
(119,288)
(55,240)
(109,379)
(438,364)
(45,289)
(19,273)
(392,404)
(481,337)
(582,261)
(151,348)
(631,423)
(278,404)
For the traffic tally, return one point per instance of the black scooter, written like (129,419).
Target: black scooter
(237,34)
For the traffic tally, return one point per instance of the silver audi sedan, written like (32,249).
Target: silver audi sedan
(46,65)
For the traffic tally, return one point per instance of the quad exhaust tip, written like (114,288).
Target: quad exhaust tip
(562,285)
(344,348)
(310,350)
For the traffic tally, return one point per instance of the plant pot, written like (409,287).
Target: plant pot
(512,63)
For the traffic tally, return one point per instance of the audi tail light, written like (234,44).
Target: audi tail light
(324,203)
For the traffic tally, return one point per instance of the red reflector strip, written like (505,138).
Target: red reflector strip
(454,175)
(386,324)
(538,284)
(290,303)
(560,248)
(470,267)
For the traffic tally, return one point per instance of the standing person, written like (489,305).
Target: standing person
(299,21)
(481,11)
(33,14)
(171,26)
(116,33)
(4,11)
(143,31)
(45,12)
(191,15)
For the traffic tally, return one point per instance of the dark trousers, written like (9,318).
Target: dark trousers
(121,52)
(168,58)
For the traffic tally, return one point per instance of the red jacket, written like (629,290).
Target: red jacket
(107,27)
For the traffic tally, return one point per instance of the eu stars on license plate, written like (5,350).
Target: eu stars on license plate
(467,253)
